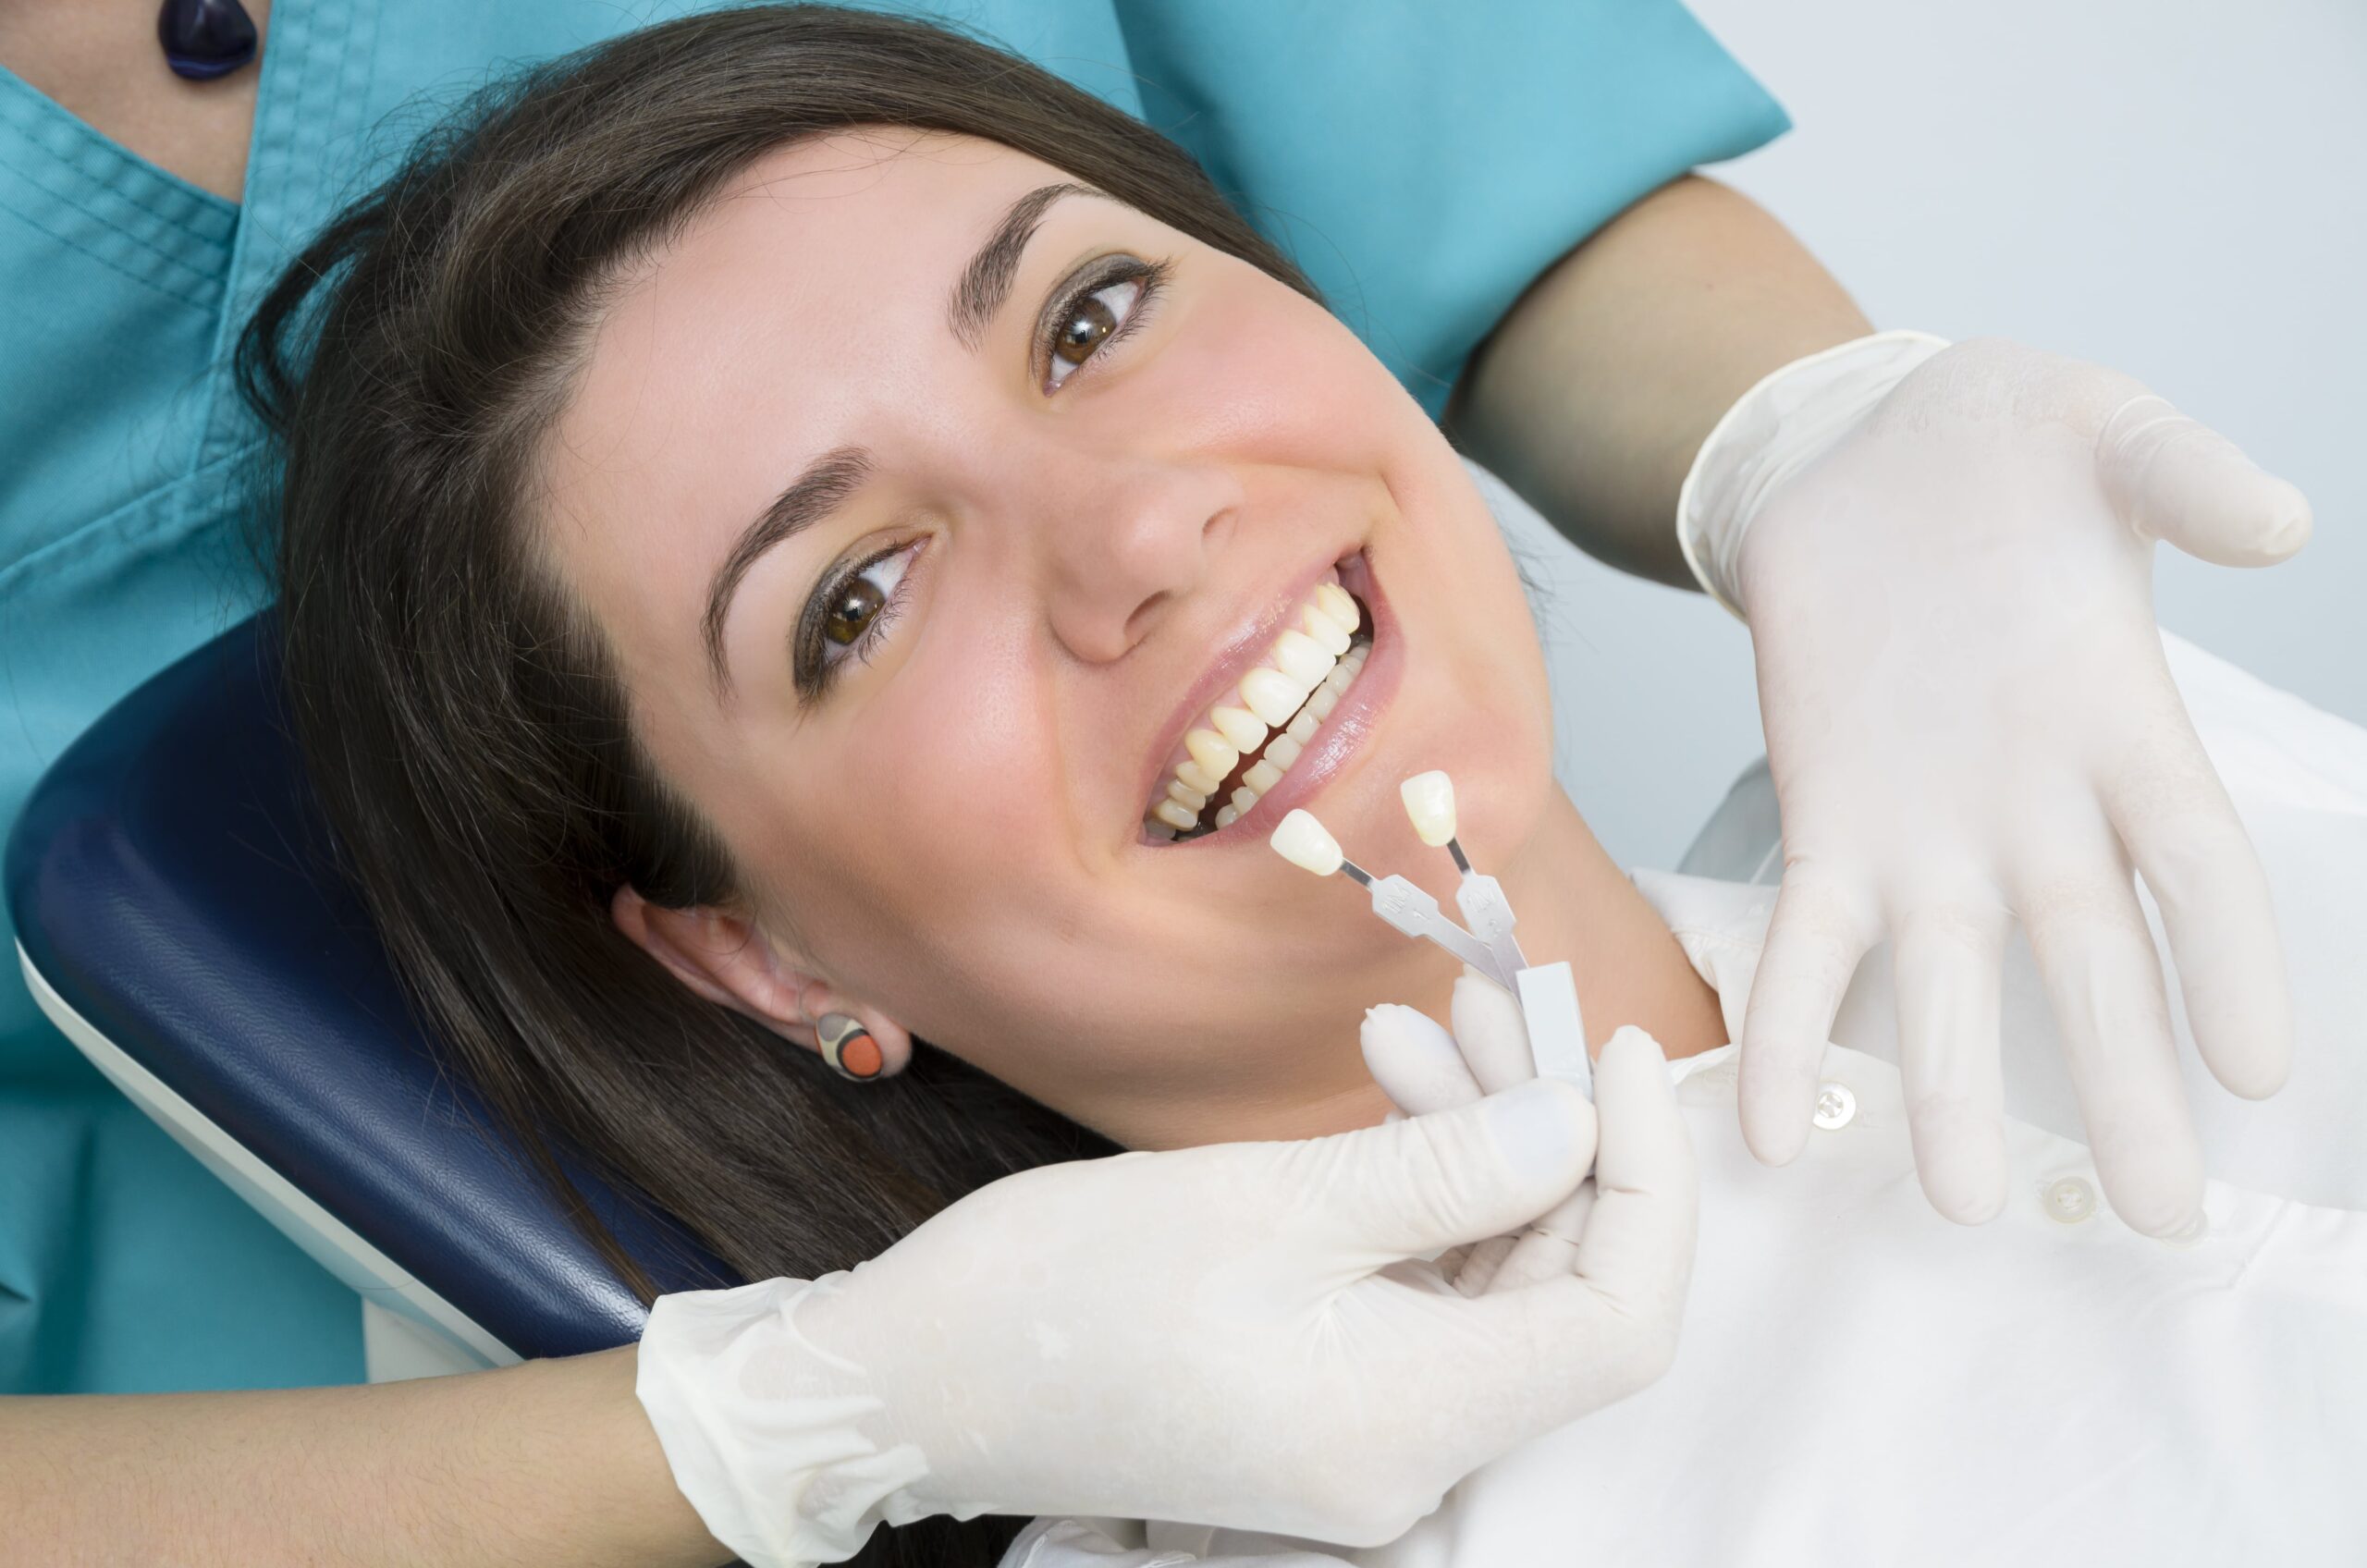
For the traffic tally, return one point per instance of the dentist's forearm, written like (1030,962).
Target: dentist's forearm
(551,1462)
(1597,388)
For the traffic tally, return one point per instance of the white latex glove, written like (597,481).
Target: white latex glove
(1946,557)
(1423,1069)
(1232,1335)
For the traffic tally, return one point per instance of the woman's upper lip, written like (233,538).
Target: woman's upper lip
(1236,652)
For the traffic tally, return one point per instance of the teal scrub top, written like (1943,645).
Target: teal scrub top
(1422,162)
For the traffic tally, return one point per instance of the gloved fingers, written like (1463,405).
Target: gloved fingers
(2103,980)
(1419,1186)
(2170,477)
(1636,1249)
(1608,1326)
(1948,962)
(1821,928)
(1548,1249)
(1491,1032)
(2179,828)
(1480,1268)
(1414,1061)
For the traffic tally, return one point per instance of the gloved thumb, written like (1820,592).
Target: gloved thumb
(1415,1187)
(2172,478)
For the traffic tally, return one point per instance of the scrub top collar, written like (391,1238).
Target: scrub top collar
(317,60)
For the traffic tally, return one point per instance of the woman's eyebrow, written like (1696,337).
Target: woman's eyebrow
(984,284)
(827,481)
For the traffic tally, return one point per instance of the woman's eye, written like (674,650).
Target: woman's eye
(850,613)
(859,603)
(1092,321)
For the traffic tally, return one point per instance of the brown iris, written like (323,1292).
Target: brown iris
(852,610)
(1087,324)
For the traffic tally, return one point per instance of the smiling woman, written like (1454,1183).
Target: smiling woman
(798,514)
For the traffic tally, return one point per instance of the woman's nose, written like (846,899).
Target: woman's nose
(1122,548)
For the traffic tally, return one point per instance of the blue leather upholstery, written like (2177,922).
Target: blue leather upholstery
(168,878)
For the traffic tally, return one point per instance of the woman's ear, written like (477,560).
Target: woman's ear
(731,960)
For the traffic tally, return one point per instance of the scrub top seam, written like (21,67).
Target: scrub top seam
(178,237)
(206,299)
(176,501)
(316,80)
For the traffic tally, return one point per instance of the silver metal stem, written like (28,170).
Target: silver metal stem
(1411,911)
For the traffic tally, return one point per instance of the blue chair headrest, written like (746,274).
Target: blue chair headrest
(169,878)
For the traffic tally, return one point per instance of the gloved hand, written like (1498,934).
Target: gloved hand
(1945,558)
(1425,1070)
(1239,1335)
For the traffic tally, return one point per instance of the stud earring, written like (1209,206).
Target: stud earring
(848,1047)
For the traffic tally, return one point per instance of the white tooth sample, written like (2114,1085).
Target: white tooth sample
(1183,794)
(1302,659)
(1282,752)
(1227,817)
(1303,841)
(1241,728)
(1322,701)
(1262,776)
(1430,800)
(1302,728)
(1340,605)
(1327,632)
(1176,814)
(1243,798)
(1215,754)
(1192,776)
(1271,695)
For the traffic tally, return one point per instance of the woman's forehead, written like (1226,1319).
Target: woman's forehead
(809,293)
(857,204)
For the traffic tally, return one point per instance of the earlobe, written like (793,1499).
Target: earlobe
(726,959)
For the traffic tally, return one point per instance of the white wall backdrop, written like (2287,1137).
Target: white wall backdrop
(2176,188)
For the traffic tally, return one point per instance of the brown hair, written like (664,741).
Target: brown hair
(461,718)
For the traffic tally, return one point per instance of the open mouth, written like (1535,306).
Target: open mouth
(1242,745)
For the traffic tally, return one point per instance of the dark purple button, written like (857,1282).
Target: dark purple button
(205,39)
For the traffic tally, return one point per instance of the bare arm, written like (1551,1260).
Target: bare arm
(1595,391)
(550,1462)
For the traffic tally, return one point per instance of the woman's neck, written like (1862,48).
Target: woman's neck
(1574,903)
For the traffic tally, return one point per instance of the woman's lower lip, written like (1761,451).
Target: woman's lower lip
(1342,733)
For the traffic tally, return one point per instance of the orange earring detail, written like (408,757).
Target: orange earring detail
(848,1047)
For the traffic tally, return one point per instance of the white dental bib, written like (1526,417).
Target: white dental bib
(1860,1381)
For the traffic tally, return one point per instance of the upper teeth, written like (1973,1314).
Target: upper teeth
(1303,675)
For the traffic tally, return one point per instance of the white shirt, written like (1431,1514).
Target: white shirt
(1861,1381)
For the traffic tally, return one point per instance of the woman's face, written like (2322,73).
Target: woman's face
(924,541)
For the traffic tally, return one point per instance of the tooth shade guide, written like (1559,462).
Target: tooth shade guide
(1306,843)
(1429,805)
(1454,848)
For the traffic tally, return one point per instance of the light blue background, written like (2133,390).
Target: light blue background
(2171,187)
